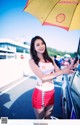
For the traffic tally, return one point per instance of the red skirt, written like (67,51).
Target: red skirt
(40,98)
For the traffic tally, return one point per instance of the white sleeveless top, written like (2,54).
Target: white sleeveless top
(46,68)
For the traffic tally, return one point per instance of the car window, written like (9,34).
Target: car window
(76,83)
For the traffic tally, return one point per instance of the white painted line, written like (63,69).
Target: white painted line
(6,90)
(57,86)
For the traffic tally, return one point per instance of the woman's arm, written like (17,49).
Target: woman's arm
(43,77)
(66,70)
(35,69)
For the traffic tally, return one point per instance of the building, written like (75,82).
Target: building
(12,49)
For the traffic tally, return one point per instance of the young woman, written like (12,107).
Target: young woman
(46,70)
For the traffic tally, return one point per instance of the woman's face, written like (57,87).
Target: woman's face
(39,46)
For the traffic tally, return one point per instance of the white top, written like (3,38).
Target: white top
(46,68)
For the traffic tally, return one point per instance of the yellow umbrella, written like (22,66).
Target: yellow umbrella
(61,13)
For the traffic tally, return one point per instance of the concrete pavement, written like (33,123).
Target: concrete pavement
(16,102)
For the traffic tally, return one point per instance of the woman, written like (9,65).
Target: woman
(45,70)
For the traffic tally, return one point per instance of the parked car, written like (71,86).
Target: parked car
(71,96)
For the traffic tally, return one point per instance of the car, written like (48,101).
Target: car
(71,96)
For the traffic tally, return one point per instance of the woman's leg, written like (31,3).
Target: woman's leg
(40,113)
(48,111)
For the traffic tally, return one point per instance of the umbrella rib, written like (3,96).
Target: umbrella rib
(50,11)
(73,15)
(27,3)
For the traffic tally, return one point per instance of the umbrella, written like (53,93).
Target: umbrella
(61,13)
(67,56)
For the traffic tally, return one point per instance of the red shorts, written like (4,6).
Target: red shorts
(41,98)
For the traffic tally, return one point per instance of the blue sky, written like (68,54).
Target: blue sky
(21,26)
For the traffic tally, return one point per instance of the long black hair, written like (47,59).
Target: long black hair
(34,53)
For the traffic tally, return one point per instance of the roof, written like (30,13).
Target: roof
(13,42)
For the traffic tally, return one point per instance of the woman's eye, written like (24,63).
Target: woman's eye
(42,43)
(37,45)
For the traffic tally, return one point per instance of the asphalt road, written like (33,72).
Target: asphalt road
(15,103)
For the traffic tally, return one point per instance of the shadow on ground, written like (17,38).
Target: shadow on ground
(20,109)
(57,111)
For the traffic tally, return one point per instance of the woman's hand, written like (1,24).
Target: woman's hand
(68,69)
(74,64)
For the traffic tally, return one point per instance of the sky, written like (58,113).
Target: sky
(21,26)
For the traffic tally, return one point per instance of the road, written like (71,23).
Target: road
(15,100)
